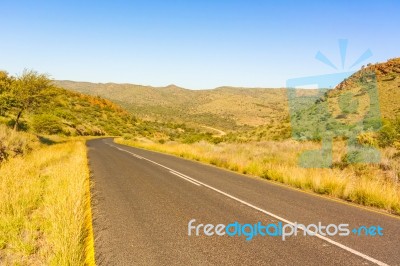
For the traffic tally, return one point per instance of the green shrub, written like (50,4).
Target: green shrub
(387,134)
(22,125)
(47,124)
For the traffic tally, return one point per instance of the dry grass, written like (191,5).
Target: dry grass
(15,143)
(45,214)
(371,185)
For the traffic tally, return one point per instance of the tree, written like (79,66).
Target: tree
(28,91)
(5,86)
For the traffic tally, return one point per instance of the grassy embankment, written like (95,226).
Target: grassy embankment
(45,215)
(371,185)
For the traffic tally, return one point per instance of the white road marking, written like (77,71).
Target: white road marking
(187,179)
(133,154)
(190,179)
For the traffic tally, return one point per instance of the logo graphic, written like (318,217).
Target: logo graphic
(323,114)
(279,229)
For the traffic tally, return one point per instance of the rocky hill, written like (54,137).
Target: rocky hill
(388,84)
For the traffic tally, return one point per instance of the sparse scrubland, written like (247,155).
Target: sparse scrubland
(31,103)
(268,152)
(45,215)
(225,108)
(45,212)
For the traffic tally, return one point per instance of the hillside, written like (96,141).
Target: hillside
(58,111)
(365,105)
(388,83)
(226,108)
(81,114)
(243,113)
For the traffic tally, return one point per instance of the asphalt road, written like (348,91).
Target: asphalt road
(143,202)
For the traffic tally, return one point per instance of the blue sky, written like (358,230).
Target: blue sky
(193,44)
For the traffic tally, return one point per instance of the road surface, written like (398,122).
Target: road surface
(143,202)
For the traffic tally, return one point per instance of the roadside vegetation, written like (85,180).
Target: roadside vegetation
(45,215)
(45,211)
(374,185)
(268,151)
(15,143)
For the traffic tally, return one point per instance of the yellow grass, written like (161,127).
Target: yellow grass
(45,216)
(371,185)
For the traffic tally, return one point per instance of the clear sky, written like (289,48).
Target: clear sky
(193,44)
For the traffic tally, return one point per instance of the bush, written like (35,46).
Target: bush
(388,134)
(15,143)
(368,139)
(127,136)
(22,125)
(47,124)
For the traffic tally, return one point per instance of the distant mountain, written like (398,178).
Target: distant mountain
(254,113)
(226,108)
